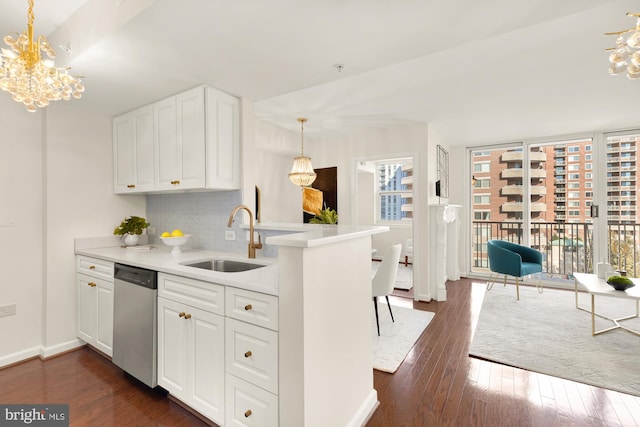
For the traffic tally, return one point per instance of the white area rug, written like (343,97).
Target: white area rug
(545,333)
(396,338)
(404,277)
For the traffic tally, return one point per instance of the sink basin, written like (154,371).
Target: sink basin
(225,265)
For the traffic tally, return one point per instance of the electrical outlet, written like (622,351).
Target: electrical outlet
(230,235)
(151,231)
(8,310)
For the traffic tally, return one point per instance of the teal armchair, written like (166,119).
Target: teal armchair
(514,260)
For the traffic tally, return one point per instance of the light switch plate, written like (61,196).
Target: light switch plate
(8,310)
(230,235)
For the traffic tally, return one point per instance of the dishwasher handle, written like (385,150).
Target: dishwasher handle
(136,275)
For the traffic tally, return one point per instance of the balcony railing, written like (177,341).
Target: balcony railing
(518,173)
(517,190)
(566,247)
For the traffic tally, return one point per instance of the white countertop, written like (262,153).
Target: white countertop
(264,280)
(313,235)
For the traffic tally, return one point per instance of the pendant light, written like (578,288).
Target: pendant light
(302,173)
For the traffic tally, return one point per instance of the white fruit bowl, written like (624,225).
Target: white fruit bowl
(176,242)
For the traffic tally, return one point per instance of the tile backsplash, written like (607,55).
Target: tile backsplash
(204,216)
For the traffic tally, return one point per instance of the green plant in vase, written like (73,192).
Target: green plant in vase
(131,227)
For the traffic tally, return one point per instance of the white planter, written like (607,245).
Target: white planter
(131,239)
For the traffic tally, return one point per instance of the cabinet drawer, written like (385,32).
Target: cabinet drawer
(203,295)
(95,267)
(252,307)
(252,354)
(248,405)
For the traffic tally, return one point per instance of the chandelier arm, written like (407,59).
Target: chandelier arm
(617,33)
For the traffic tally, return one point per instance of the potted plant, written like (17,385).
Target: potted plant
(131,227)
(325,216)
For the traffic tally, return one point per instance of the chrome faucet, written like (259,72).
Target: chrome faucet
(252,246)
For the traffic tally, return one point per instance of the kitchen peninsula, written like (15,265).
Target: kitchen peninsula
(322,280)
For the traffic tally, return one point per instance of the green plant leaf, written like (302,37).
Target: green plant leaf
(325,216)
(131,225)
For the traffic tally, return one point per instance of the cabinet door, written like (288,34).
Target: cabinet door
(86,307)
(167,155)
(207,376)
(172,347)
(104,318)
(133,151)
(191,138)
(124,154)
(144,149)
(223,140)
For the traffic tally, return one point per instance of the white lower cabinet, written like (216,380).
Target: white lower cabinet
(191,356)
(94,303)
(251,346)
(218,350)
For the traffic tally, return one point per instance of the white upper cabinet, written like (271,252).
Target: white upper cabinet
(180,141)
(133,151)
(223,140)
(190,141)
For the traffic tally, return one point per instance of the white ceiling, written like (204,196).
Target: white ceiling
(489,71)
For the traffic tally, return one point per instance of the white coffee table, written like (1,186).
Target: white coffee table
(596,286)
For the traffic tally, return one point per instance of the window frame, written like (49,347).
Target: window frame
(379,194)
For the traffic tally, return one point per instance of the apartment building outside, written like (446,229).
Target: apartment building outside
(395,184)
(561,195)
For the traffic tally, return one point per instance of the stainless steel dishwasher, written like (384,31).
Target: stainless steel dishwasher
(134,322)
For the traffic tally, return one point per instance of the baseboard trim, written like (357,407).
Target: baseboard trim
(41,352)
(366,410)
(19,357)
(59,349)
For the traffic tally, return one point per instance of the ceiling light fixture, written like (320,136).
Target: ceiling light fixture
(302,173)
(625,56)
(32,80)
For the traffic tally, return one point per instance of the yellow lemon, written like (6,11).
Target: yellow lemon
(165,234)
(177,233)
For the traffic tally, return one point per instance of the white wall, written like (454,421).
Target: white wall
(365,198)
(57,184)
(79,203)
(21,222)
(267,157)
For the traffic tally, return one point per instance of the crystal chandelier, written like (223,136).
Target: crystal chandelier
(625,56)
(32,80)
(302,173)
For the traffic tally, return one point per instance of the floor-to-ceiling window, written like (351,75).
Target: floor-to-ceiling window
(574,199)
(544,193)
(622,235)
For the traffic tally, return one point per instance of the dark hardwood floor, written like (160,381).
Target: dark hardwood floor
(437,385)
(440,385)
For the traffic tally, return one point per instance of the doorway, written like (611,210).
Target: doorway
(384,196)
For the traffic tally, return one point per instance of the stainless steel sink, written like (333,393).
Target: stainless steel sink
(225,265)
